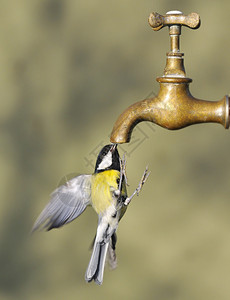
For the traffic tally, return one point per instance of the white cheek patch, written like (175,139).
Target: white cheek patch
(106,162)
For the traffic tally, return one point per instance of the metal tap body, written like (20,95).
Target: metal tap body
(174,107)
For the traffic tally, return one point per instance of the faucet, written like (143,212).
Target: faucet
(174,107)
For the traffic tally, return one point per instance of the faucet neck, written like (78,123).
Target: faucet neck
(174,71)
(174,33)
(174,68)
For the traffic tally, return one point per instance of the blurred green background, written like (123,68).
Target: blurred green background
(68,69)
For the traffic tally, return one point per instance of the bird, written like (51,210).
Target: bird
(104,190)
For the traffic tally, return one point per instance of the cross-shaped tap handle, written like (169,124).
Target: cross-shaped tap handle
(174,20)
(175,17)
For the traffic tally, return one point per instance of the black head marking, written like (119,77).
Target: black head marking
(108,159)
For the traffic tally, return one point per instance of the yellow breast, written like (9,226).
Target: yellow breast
(102,187)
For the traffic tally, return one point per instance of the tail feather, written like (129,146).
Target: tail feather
(101,265)
(112,259)
(95,270)
(93,263)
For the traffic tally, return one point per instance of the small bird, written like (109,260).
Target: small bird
(105,190)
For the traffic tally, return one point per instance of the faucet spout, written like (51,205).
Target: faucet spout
(174,107)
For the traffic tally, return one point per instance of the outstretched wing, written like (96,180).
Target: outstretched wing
(67,203)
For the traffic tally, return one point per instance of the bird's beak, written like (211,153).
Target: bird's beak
(114,146)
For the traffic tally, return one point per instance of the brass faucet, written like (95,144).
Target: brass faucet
(174,107)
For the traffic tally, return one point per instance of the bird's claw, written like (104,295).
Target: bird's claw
(138,189)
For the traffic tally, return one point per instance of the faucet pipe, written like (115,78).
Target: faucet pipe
(174,107)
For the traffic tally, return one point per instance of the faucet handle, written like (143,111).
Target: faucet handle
(174,20)
(157,21)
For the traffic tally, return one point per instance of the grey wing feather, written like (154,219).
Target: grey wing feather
(67,203)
